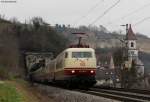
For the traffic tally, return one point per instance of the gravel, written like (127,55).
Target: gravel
(62,95)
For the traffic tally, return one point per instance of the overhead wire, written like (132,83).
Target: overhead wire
(141,21)
(89,11)
(135,11)
(131,13)
(105,12)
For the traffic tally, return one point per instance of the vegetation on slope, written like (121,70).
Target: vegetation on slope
(19,90)
(17,38)
(8,93)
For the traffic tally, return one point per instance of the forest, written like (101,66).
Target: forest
(17,38)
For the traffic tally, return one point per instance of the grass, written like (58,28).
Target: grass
(8,93)
(18,90)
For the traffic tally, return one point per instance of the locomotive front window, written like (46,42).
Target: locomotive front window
(81,54)
(66,55)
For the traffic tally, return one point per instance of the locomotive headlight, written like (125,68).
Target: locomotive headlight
(73,71)
(92,71)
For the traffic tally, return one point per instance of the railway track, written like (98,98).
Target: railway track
(146,92)
(120,94)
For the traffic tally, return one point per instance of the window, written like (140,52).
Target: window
(81,54)
(132,44)
(59,64)
(66,55)
(132,53)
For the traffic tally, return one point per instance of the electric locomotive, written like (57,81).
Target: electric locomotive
(74,67)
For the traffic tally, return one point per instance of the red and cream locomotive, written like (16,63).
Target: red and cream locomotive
(74,67)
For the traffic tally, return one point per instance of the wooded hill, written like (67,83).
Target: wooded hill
(17,38)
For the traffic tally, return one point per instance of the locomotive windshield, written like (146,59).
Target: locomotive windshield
(81,54)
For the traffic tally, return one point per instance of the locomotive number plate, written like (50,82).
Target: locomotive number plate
(82,63)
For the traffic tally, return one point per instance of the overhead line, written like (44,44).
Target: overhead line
(131,13)
(105,12)
(135,11)
(141,21)
(90,10)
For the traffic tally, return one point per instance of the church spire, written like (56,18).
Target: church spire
(130,34)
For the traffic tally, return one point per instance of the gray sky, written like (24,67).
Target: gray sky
(83,12)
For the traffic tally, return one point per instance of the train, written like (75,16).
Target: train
(74,67)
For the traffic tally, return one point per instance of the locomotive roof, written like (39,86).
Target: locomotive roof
(80,49)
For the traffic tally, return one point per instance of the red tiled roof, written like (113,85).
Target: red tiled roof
(130,34)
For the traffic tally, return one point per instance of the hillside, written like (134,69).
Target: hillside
(16,38)
(21,91)
(100,37)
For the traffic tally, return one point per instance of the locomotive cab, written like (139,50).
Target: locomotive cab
(80,61)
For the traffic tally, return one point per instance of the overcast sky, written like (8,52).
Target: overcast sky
(83,12)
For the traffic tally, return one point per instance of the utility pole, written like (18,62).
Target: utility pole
(126,25)
(123,71)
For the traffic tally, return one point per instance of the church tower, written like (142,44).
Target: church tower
(132,51)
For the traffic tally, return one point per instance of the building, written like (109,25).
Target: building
(106,70)
(132,52)
(131,47)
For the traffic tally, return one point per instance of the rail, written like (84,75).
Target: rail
(120,94)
